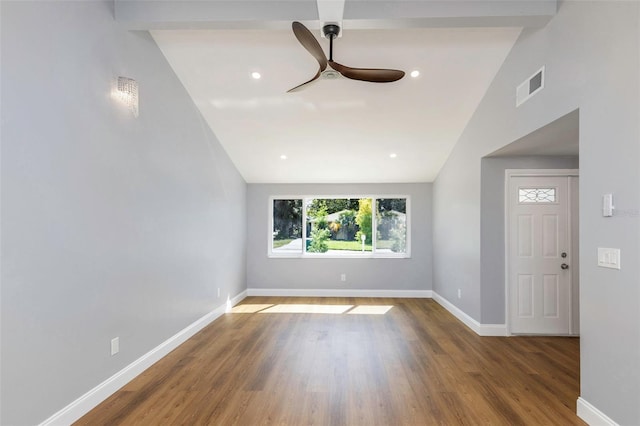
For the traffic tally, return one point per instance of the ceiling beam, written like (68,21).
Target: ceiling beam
(204,14)
(449,13)
(360,14)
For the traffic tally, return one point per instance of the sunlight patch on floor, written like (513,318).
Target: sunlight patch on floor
(249,308)
(307,309)
(370,310)
(304,308)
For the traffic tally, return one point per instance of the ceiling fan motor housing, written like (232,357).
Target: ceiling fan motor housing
(331,31)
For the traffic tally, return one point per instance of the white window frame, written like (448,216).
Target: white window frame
(351,255)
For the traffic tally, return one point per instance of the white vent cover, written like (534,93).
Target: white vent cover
(530,87)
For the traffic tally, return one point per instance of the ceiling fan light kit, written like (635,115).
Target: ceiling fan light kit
(329,69)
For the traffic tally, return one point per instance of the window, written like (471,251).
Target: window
(287,227)
(339,227)
(392,224)
(537,195)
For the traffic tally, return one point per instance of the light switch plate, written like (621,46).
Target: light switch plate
(115,345)
(609,258)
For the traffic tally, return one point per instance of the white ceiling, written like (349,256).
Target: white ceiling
(337,130)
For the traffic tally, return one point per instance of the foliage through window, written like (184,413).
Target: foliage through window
(287,226)
(392,224)
(340,226)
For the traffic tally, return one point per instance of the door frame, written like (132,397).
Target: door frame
(510,173)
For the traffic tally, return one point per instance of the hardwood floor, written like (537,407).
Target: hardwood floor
(413,365)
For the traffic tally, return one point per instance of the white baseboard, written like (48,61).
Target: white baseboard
(95,396)
(478,328)
(286,292)
(592,415)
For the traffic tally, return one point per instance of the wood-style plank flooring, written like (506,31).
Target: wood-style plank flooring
(413,365)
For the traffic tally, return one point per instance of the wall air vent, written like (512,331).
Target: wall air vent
(530,87)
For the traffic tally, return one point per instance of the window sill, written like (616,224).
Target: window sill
(339,256)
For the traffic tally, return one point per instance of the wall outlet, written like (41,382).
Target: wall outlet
(343,277)
(218,292)
(459,294)
(115,345)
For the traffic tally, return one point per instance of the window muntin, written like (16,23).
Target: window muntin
(339,227)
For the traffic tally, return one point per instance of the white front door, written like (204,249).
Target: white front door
(539,255)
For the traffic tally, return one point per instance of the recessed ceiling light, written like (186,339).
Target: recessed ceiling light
(393,155)
(415,73)
(283,157)
(256,75)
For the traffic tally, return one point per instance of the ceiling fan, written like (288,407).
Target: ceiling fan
(335,70)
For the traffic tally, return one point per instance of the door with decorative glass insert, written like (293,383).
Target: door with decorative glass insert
(540,254)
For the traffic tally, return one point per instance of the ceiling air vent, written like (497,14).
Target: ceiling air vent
(530,87)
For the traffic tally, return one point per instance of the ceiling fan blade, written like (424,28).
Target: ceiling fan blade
(303,85)
(368,74)
(309,42)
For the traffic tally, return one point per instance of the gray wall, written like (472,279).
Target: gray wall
(370,274)
(492,224)
(591,52)
(111,225)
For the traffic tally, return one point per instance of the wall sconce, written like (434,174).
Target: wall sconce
(127,92)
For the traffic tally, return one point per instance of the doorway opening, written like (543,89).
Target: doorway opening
(553,146)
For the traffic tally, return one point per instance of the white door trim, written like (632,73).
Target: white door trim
(509,173)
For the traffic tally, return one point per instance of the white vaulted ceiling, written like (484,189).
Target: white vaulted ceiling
(335,130)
